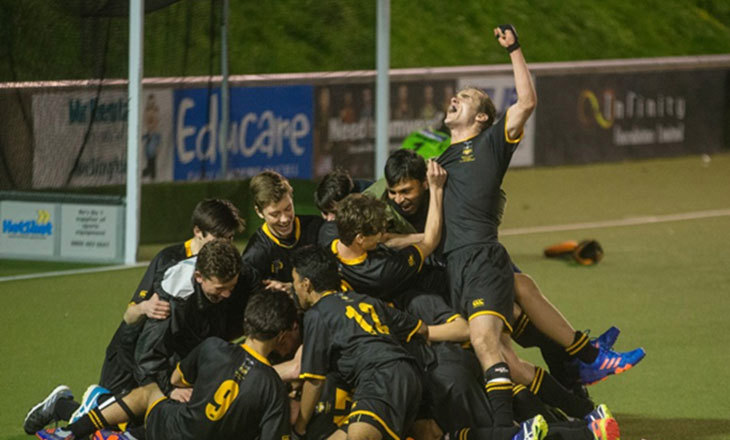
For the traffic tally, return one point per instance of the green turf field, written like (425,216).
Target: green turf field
(665,284)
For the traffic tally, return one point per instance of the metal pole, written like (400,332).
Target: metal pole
(382,86)
(225,101)
(136,44)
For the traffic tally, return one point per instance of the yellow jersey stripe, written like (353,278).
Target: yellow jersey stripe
(378,419)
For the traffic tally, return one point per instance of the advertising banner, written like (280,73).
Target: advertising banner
(91,231)
(80,138)
(501,89)
(28,228)
(344,134)
(270,127)
(609,117)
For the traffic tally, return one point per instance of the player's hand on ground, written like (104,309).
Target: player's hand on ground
(277,285)
(155,308)
(436,174)
(181,394)
(506,37)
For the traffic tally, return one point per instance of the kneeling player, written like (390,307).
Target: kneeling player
(358,336)
(236,391)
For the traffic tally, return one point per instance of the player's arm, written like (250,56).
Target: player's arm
(456,330)
(436,177)
(519,112)
(400,241)
(311,392)
(154,308)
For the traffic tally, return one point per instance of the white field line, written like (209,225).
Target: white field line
(631,221)
(72,272)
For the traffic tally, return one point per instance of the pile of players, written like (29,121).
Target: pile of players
(391,315)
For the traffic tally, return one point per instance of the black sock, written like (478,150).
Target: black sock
(582,348)
(88,424)
(565,431)
(550,391)
(555,356)
(499,393)
(526,405)
(64,408)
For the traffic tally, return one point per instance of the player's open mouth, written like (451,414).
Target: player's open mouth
(452,109)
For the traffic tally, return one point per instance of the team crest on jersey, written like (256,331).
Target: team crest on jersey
(411,260)
(243,370)
(142,293)
(276,266)
(467,152)
(477,303)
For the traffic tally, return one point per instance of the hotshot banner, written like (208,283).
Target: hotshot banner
(270,128)
(609,117)
(80,138)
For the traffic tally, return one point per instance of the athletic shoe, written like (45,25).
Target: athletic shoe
(601,412)
(42,413)
(55,434)
(608,362)
(89,402)
(108,434)
(605,429)
(534,429)
(607,338)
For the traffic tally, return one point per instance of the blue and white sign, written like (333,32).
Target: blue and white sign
(270,127)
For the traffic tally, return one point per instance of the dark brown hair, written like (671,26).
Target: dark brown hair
(359,214)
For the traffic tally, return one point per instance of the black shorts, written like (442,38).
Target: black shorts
(163,419)
(456,394)
(388,398)
(117,372)
(332,409)
(482,282)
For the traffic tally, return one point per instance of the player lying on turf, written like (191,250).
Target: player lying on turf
(211,219)
(236,393)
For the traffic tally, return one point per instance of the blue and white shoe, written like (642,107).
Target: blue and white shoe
(42,413)
(534,429)
(608,362)
(607,338)
(55,434)
(601,412)
(89,402)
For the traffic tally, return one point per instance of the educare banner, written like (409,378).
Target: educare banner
(610,117)
(270,128)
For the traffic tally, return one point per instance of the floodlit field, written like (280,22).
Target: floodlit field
(665,281)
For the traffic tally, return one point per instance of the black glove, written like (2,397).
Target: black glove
(514,46)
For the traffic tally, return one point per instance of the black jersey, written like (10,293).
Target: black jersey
(473,201)
(236,394)
(351,333)
(382,273)
(117,370)
(269,255)
(193,317)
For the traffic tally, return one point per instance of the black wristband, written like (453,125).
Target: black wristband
(514,46)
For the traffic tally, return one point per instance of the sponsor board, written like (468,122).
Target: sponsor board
(80,138)
(344,132)
(270,127)
(28,228)
(90,231)
(609,117)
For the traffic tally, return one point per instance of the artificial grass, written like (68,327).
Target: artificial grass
(663,284)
